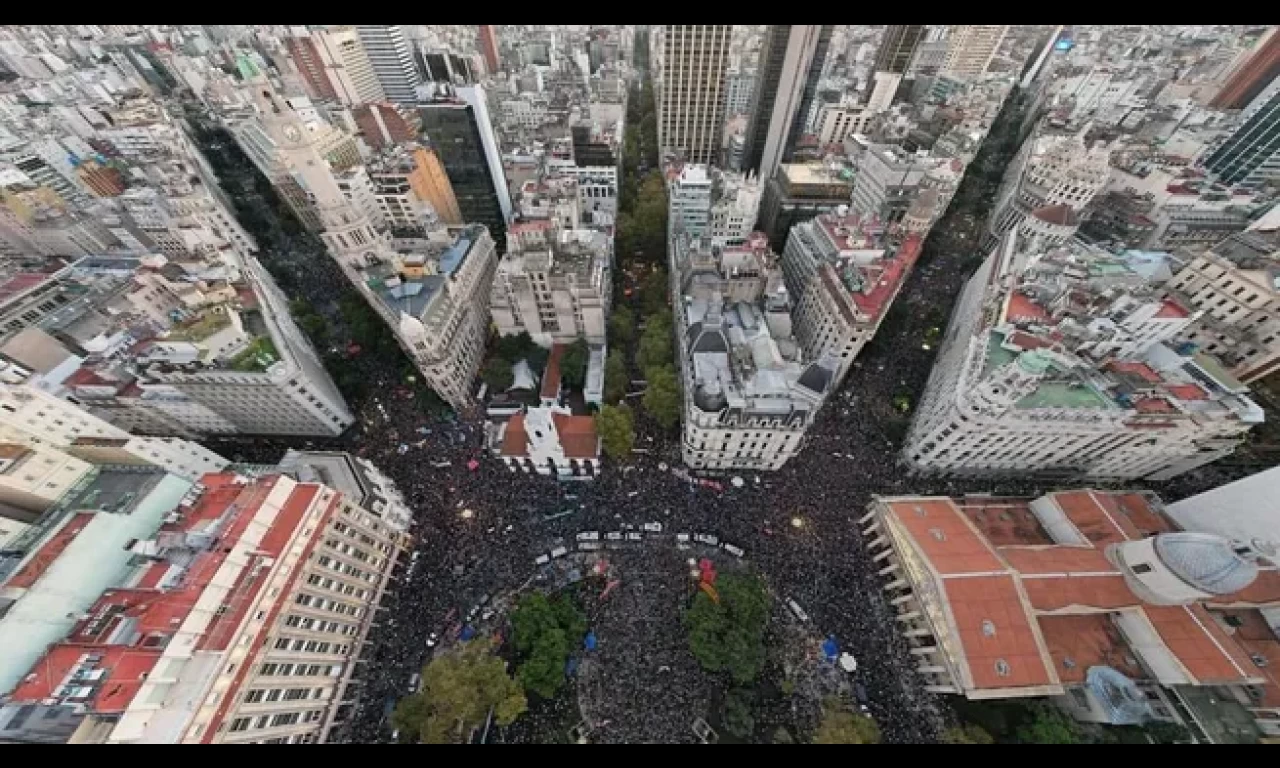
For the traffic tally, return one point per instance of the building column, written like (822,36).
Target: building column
(888,569)
(941,689)
(894,585)
(900,599)
(931,669)
(908,616)
(917,633)
(924,650)
(881,555)
(870,529)
(862,520)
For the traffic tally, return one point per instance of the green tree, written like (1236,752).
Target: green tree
(727,635)
(615,377)
(497,374)
(458,690)
(841,726)
(782,736)
(653,294)
(614,424)
(544,634)
(656,343)
(1048,725)
(573,366)
(967,734)
(622,326)
(662,396)
(515,347)
(738,719)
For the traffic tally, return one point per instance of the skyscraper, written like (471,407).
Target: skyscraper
(790,66)
(456,122)
(692,59)
(1251,155)
(897,47)
(392,59)
(972,47)
(1251,77)
(488,38)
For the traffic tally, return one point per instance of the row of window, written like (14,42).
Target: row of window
(275,721)
(272,669)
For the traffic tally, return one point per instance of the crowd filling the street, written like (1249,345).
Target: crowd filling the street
(484,532)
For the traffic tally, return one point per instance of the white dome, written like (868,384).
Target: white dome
(1207,562)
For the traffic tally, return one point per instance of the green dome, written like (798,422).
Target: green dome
(1034,362)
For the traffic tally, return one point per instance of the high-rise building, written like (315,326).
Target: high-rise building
(392,60)
(971,47)
(790,66)
(487,36)
(1055,361)
(898,47)
(1049,170)
(689,201)
(1260,69)
(242,624)
(456,123)
(344,64)
(1250,156)
(553,284)
(691,63)
(749,392)
(1230,284)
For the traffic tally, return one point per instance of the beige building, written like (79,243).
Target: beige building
(1232,284)
(246,631)
(32,479)
(691,62)
(971,47)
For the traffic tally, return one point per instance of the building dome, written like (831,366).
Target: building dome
(1207,562)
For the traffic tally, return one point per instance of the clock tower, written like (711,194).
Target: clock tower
(347,231)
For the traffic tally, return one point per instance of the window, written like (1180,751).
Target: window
(1141,568)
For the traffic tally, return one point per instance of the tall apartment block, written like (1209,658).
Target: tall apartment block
(1250,156)
(1231,287)
(1054,176)
(1056,362)
(553,284)
(897,51)
(456,124)
(435,299)
(234,614)
(391,57)
(691,62)
(971,47)
(843,276)
(749,391)
(790,66)
(487,36)
(334,65)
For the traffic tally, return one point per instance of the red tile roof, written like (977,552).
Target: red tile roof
(1207,652)
(994,628)
(1026,341)
(126,668)
(876,301)
(1141,370)
(945,537)
(1054,594)
(577,436)
(515,441)
(1088,640)
(1188,392)
(1172,310)
(1093,519)
(34,568)
(1023,309)
(1153,405)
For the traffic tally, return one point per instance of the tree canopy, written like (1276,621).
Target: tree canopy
(655,345)
(1049,725)
(573,365)
(622,326)
(615,425)
(662,397)
(545,633)
(615,377)
(967,734)
(840,725)
(497,374)
(458,689)
(728,635)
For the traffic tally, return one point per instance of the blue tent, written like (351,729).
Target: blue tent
(830,648)
(467,633)
(571,668)
(590,641)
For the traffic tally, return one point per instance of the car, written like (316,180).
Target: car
(414,681)
(432,640)
(796,610)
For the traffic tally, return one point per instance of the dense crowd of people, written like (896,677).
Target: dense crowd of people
(478,531)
